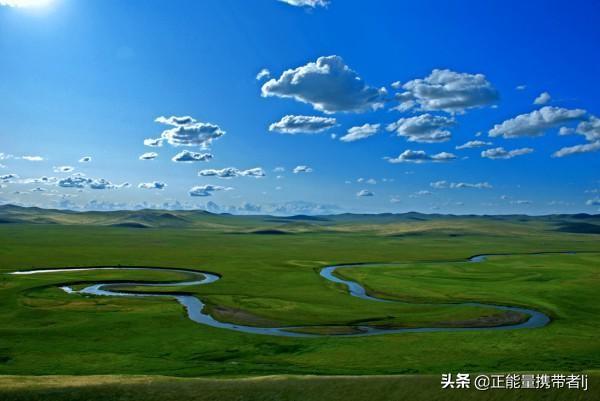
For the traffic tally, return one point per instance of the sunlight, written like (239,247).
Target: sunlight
(26,3)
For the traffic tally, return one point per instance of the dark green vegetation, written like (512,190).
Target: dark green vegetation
(271,388)
(270,278)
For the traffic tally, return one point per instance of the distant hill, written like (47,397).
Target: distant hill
(391,224)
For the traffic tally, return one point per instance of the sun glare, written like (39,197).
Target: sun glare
(25,3)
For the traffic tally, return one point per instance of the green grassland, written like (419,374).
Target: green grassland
(268,388)
(269,268)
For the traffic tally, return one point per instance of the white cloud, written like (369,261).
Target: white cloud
(536,122)
(189,157)
(302,169)
(85,159)
(590,129)
(152,185)
(291,124)
(279,169)
(6,178)
(419,156)
(364,192)
(187,131)
(148,156)
(101,183)
(420,193)
(460,185)
(63,169)
(81,181)
(231,172)
(360,132)
(521,202)
(207,190)
(306,3)
(593,202)
(425,128)
(449,91)
(33,158)
(584,148)
(75,181)
(154,142)
(473,144)
(370,181)
(41,180)
(262,74)
(543,98)
(521,87)
(563,131)
(327,84)
(501,153)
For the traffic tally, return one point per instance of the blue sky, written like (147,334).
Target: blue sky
(415,80)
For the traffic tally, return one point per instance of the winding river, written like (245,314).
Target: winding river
(194,307)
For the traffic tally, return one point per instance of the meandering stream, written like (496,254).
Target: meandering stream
(195,310)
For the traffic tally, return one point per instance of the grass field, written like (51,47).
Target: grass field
(269,278)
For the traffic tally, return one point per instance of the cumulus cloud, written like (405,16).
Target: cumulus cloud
(6,178)
(101,183)
(148,156)
(543,98)
(262,74)
(425,128)
(501,153)
(207,190)
(187,131)
(536,123)
(63,169)
(85,159)
(449,91)
(152,185)
(328,85)
(302,169)
(75,181)
(419,156)
(370,181)
(306,3)
(364,192)
(154,142)
(473,144)
(460,185)
(291,124)
(572,150)
(33,158)
(41,180)
(590,129)
(81,181)
(593,202)
(231,172)
(360,132)
(563,131)
(189,157)
(279,169)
